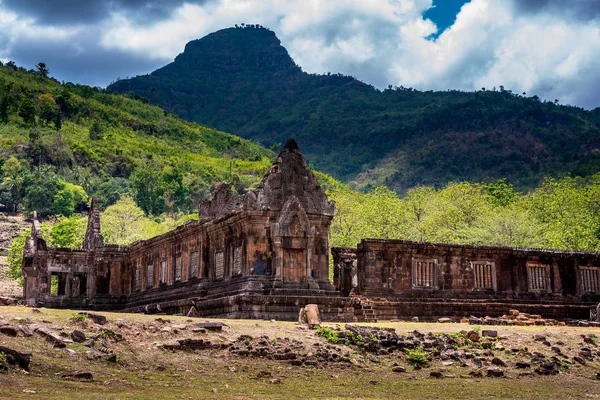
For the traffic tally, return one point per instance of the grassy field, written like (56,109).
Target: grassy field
(145,371)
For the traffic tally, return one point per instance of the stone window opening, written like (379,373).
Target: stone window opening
(177,268)
(219,264)
(57,284)
(79,286)
(590,279)
(194,264)
(138,279)
(484,275)
(424,274)
(237,259)
(150,275)
(538,276)
(162,272)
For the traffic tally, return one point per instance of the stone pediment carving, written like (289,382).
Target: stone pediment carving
(290,175)
(293,221)
(221,203)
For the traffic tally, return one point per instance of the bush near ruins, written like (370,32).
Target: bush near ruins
(418,356)
(328,334)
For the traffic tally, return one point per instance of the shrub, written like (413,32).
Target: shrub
(328,334)
(417,356)
(78,317)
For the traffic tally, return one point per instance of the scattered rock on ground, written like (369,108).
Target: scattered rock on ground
(51,337)
(16,357)
(80,376)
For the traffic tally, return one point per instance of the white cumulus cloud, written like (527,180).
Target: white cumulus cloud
(550,48)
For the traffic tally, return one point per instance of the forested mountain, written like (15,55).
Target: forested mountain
(62,143)
(241,80)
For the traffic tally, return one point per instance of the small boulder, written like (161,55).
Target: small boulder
(97,318)
(473,336)
(16,357)
(85,376)
(494,372)
(444,320)
(98,355)
(398,369)
(489,333)
(211,326)
(9,330)
(51,337)
(25,330)
(78,336)
(550,368)
(499,362)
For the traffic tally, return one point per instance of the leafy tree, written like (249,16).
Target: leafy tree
(68,232)
(4,104)
(13,181)
(41,187)
(42,69)
(96,130)
(147,188)
(124,222)
(111,190)
(501,193)
(173,189)
(27,111)
(15,255)
(64,203)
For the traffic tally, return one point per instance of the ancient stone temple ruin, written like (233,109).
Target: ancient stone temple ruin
(265,254)
(261,254)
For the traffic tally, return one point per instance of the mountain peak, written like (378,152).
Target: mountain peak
(242,49)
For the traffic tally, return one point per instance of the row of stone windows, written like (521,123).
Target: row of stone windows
(425,275)
(163,271)
(236,262)
(484,275)
(590,279)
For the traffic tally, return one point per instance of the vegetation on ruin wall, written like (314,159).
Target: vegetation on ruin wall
(62,143)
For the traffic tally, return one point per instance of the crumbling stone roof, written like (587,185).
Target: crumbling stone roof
(289,176)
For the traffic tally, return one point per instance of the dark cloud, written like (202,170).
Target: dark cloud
(82,61)
(580,9)
(61,12)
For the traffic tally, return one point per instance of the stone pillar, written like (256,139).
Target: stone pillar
(68,282)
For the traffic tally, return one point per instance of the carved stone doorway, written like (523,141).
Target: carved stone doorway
(294,265)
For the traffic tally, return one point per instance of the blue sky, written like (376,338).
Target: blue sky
(444,13)
(549,48)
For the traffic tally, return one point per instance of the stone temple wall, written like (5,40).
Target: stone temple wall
(431,280)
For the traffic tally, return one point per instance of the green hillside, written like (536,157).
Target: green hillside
(241,80)
(61,143)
